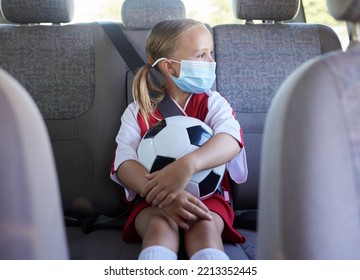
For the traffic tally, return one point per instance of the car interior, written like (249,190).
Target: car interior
(64,87)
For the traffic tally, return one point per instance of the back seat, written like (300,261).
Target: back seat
(72,71)
(75,76)
(81,85)
(253,59)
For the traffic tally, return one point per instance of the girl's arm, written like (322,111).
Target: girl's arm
(132,175)
(185,208)
(165,184)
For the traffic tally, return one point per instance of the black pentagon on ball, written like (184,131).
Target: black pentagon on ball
(155,129)
(209,183)
(160,162)
(198,135)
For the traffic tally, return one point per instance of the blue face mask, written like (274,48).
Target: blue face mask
(195,76)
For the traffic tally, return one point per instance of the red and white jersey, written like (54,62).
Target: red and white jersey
(211,108)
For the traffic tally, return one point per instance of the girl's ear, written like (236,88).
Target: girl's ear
(167,67)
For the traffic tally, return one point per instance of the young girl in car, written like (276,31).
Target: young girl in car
(181,50)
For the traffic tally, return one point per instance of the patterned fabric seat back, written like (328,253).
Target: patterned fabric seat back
(253,60)
(310,171)
(73,73)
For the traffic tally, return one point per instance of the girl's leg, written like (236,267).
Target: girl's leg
(203,239)
(159,234)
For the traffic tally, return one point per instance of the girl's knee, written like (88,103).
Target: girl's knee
(160,223)
(216,225)
(151,219)
(204,229)
(158,230)
(204,234)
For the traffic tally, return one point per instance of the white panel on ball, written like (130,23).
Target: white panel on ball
(146,153)
(171,141)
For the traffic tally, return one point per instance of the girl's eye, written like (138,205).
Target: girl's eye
(201,55)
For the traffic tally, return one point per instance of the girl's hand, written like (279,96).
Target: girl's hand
(185,209)
(164,185)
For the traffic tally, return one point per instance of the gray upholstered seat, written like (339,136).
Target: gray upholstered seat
(252,61)
(76,78)
(65,68)
(310,172)
(31,224)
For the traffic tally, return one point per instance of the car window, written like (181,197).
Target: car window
(94,10)
(212,12)
(316,11)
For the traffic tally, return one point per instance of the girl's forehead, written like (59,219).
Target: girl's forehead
(198,37)
(196,31)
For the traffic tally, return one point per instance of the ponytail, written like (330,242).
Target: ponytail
(146,93)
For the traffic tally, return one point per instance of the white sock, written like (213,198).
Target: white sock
(157,253)
(209,254)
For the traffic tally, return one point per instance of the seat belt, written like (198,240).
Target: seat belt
(116,34)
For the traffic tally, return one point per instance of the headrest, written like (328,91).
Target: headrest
(278,10)
(144,14)
(348,10)
(38,11)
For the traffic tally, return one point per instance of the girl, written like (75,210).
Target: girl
(181,50)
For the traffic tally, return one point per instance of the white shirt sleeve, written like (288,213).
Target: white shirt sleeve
(221,118)
(127,139)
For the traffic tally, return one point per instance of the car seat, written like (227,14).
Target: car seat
(76,78)
(252,61)
(309,183)
(31,223)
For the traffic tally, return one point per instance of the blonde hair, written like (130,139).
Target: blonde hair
(162,41)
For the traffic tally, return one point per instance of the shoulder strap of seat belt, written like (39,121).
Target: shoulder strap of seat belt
(115,32)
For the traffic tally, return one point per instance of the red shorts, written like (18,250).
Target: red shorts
(216,203)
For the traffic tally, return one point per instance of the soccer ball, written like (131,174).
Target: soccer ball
(173,138)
